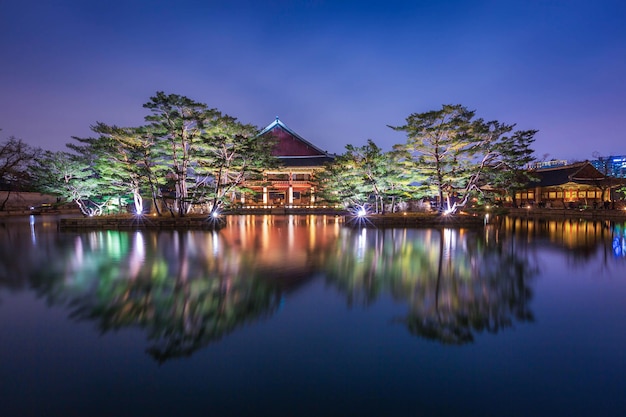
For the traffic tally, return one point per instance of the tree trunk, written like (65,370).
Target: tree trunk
(4,202)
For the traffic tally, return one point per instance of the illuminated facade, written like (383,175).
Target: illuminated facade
(569,186)
(291,185)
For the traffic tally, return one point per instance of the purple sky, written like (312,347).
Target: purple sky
(337,72)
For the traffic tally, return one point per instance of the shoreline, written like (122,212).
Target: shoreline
(401,220)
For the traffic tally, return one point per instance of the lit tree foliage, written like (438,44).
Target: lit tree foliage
(71,178)
(178,124)
(186,155)
(436,148)
(451,154)
(229,154)
(341,182)
(366,175)
(209,154)
(508,171)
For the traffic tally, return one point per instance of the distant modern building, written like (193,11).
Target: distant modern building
(614,166)
(548,164)
(291,185)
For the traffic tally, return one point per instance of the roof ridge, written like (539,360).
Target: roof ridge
(280,124)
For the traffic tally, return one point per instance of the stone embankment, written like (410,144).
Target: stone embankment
(140,222)
(415,220)
(376,221)
(558,213)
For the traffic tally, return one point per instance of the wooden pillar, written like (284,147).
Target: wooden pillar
(537,194)
(265,196)
(290,190)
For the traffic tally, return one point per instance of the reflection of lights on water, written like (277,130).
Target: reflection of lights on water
(216,242)
(32,229)
(137,256)
(449,243)
(619,241)
(78,252)
(140,248)
(361,245)
(619,246)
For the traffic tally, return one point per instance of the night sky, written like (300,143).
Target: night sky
(337,72)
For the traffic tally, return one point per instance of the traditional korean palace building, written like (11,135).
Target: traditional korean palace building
(291,185)
(570,186)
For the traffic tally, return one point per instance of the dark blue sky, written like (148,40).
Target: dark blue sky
(337,72)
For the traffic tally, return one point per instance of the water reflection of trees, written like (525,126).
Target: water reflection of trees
(456,282)
(169,284)
(188,289)
(185,289)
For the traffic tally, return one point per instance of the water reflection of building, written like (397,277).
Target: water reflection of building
(581,237)
(289,246)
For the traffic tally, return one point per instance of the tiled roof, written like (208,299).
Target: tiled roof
(289,142)
(582,173)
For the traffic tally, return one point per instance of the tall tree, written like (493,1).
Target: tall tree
(452,154)
(126,162)
(437,147)
(178,125)
(229,154)
(16,158)
(71,178)
(509,170)
(364,173)
(337,183)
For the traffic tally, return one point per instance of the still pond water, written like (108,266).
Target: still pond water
(301,316)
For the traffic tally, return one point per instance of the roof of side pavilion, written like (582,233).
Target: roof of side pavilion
(292,149)
(580,173)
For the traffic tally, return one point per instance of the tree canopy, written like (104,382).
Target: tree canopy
(448,154)
(186,155)
(189,155)
(452,154)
